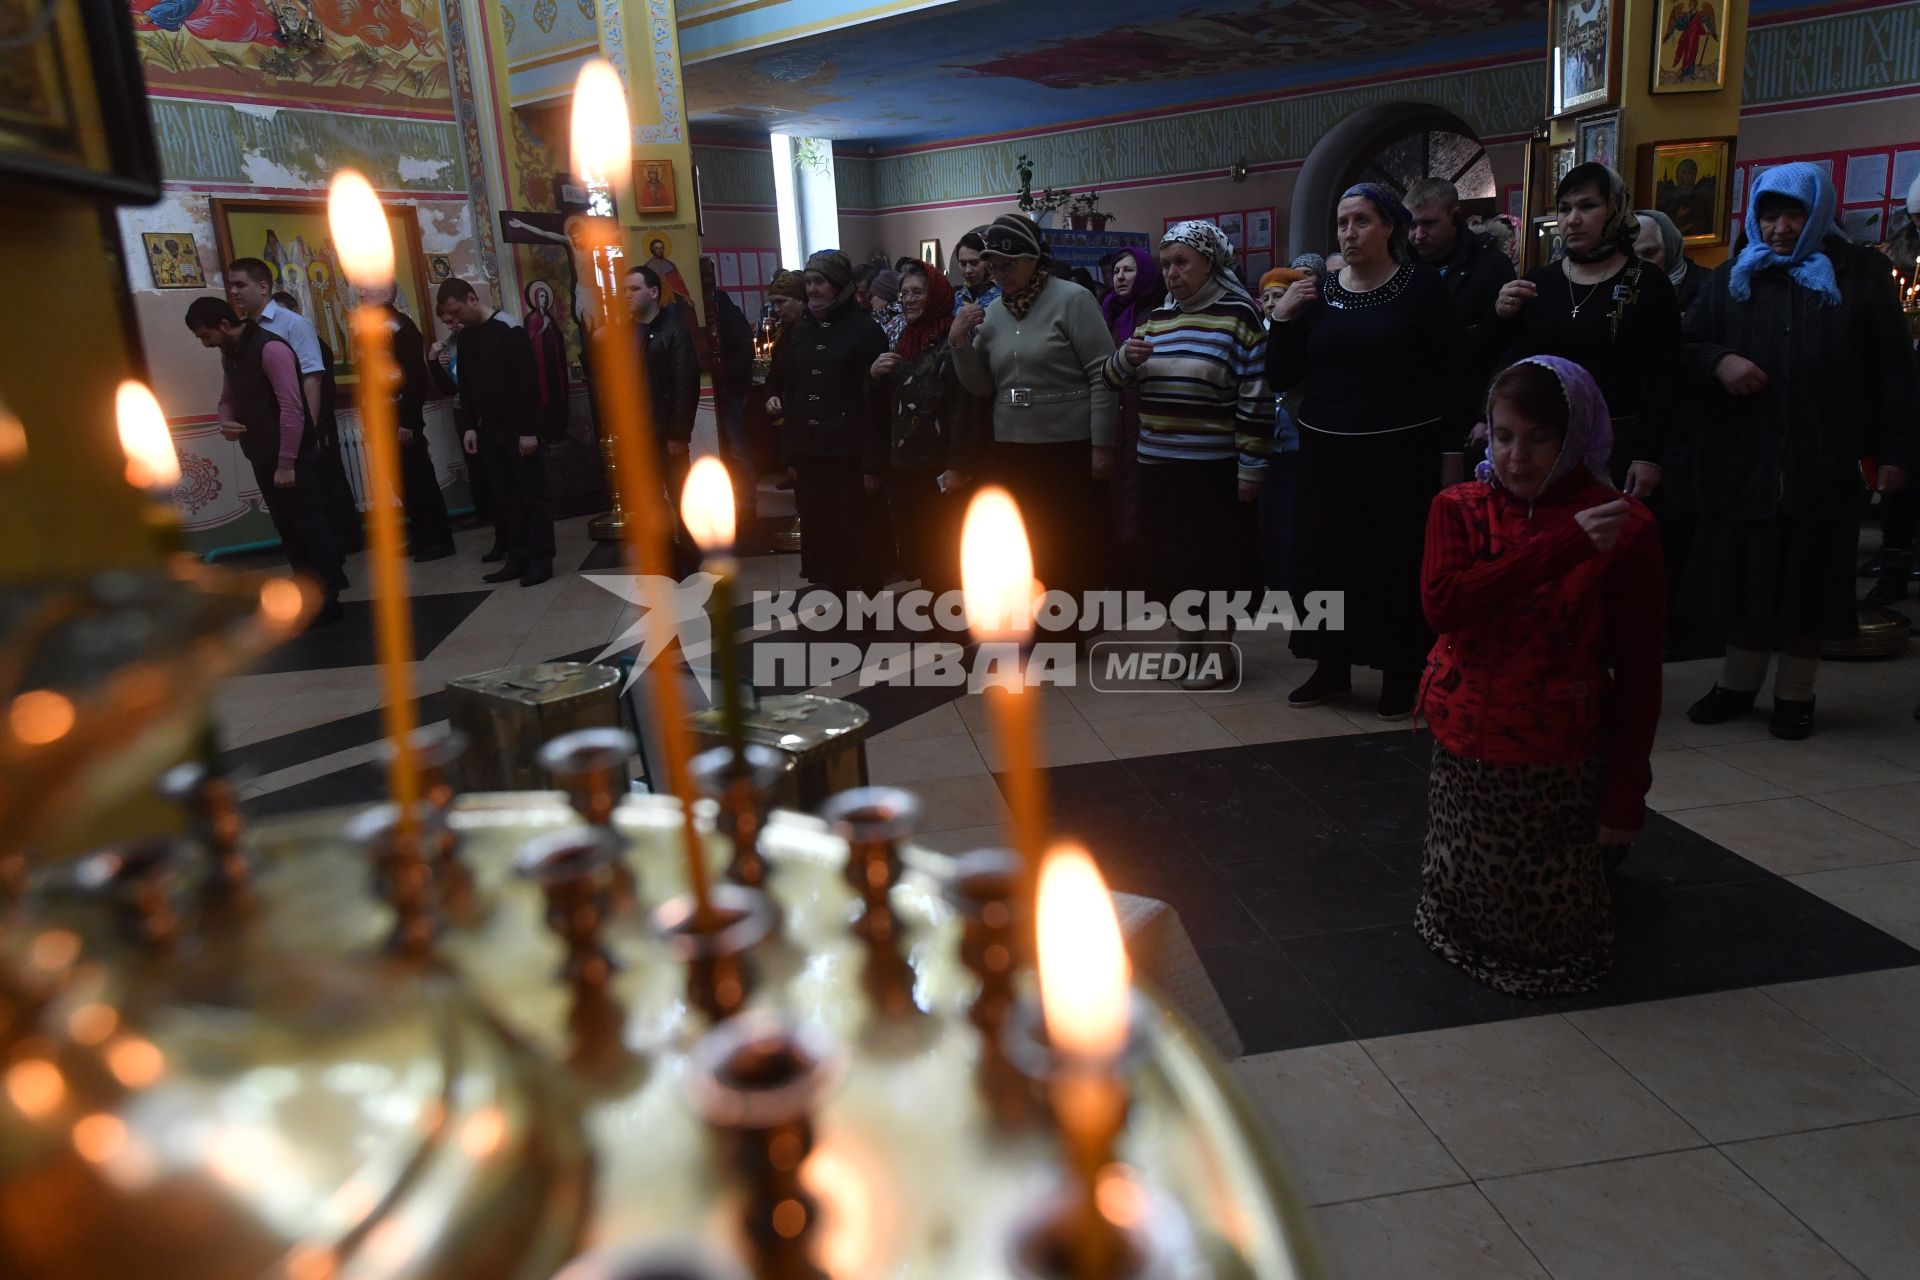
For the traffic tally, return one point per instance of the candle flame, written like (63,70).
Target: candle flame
(706,504)
(360,233)
(1084,973)
(602,139)
(151,461)
(13,440)
(996,569)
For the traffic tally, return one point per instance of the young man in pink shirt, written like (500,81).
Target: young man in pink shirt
(262,407)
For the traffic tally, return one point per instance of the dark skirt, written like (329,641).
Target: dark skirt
(1515,886)
(926,528)
(1197,534)
(843,532)
(1363,530)
(1785,577)
(1063,506)
(1277,523)
(1123,492)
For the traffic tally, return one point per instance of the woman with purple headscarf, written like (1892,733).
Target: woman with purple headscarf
(1543,689)
(1134,289)
(1370,350)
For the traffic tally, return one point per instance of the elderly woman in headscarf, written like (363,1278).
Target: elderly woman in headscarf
(1134,289)
(1370,352)
(1603,308)
(1206,426)
(933,447)
(1039,352)
(1661,244)
(1543,584)
(832,424)
(883,303)
(1801,337)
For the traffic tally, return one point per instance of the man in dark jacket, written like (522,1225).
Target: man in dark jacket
(834,430)
(732,383)
(673,384)
(500,391)
(429,535)
(1801,333)
(263,407)
(1472,264)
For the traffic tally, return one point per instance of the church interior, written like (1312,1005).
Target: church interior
(619,897)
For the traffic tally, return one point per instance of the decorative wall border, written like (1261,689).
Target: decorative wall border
(467,109)
(1826,55)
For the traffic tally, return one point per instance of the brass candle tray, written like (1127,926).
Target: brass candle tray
(496,1103)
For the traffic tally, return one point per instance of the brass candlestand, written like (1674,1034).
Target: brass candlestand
(718,978)
(745,796)
(609,526)
(590,765)
(401,875)
(436,752)
(984,888)
(873,821)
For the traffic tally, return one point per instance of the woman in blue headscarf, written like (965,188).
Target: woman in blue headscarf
(1801,336)
(1381,412)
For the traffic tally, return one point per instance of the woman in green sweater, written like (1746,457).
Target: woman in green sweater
(1039,352)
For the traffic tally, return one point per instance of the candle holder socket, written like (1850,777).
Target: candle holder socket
(590,765)
(758,1081)
(744,787)
(715,949)
(984,889)
(873,821)
(574,869)
(212,806)
(1049,1242)
(662,1260)
(137,879)
(401,873)
(437,751)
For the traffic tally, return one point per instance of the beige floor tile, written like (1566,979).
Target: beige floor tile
(1261,680)
(1188,729)
(1812,766)
(1894,810)
(1346,1131)
(1687,1215)
(970,801)
(1532,1094)
(1677,731)
(1792,836)
(1063,742)
(1052,704)
(1095,706)
(1691,780)
(1737,1065)
(1275,721)
(1447,1234)
(917,759)
(1897,743)
(1857,1186)
(1877,1015)
(943,721)
(961,840)
(1887,897)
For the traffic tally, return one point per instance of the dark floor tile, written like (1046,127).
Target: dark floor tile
(1212,915)
(355,785)
(1272,823)
(1314,762)
(1201,775)
(1670,856)
(1336,891)
(302,745)
(1271,1005)
(1782,933)
(1124,834)
(1103,785)
(1402,857)
(1385,982)
(350,642)
(1388,812)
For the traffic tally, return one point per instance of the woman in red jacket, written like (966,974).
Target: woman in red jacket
(1544,585)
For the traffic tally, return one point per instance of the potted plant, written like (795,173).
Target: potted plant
(1042,206)
(1086,212)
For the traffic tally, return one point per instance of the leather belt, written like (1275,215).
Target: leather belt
(1027,397)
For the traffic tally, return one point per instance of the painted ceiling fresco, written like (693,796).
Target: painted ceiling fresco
(972,69)
(536,28)
(381,54)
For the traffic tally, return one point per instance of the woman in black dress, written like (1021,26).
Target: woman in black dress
(1606,310)
(1371,354)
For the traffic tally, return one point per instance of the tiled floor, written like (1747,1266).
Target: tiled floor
(1741,1101)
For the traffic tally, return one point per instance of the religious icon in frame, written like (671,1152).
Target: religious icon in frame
(1692,183)
(73,107)
(930,253)
(175,259)
(1599,139)
(653,187)
(1583,39)
(1689,51)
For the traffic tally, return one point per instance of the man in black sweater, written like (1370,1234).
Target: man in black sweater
(1472,265)
(499,389)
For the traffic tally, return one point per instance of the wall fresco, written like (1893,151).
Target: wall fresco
(540,28)
(219,142)
(1836,54)
(735,175)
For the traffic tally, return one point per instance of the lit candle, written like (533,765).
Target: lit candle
(365,246)
(996,577)
(706,507)
(1085,993)
(603,156)
(153,467)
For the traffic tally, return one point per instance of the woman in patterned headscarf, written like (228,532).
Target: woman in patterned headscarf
(1543,691)
(1603,308)
(1371,353)
(1206,426)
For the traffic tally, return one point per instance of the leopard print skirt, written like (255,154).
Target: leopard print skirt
(1515,887)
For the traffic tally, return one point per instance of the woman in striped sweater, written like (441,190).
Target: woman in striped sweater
(1198,364)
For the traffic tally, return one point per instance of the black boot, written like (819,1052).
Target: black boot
(1894,568)
(1397,692)
(507,572)
(1722,705)
(494,556)
(1791,720)
(1328,681)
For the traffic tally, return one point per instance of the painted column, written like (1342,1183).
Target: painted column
(477,52)
(641,39)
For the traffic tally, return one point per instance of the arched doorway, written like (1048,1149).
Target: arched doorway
(1396,143)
